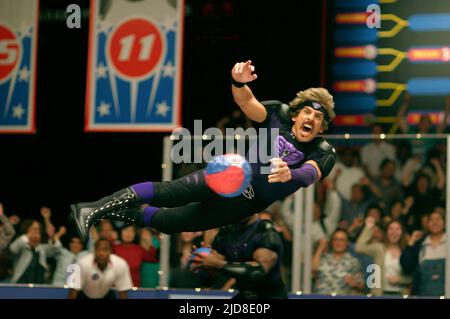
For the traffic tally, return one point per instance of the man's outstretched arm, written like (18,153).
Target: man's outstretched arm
(243,95)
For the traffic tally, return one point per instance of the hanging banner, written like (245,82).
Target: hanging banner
(18,50)
(134,66)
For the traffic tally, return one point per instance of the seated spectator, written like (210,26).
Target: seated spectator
(133,253)
(105,229)
(424,257)
(66,257)
(386,189)
(386,254)
(100,272)
(356,207)
(30,255)
(338,271)
(373,153)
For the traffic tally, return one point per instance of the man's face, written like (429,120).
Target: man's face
(102,253)
(34,234)
(339,242)
(128,234)
(307,124)
(435,223)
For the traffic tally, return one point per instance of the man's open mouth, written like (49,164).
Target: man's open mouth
(307,128)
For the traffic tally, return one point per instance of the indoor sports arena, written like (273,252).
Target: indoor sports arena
(224,149)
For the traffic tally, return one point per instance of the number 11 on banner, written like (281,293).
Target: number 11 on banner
(134,73)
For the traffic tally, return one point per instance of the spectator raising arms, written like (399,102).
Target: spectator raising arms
(65,257)
(385,254)
(30,255)
(424,257)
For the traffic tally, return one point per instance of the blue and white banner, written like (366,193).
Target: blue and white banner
(134,65)
(18,44)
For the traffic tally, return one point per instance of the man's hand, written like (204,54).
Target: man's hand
(61,232)
(242,72)
(415,236)
(281,171)
(212,261)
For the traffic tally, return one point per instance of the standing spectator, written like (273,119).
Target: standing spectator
(386,188)
(326,217)
(66,257)
(7,230)
(425,199)
(346,172)
(7,233)
(102,271)
(385,254)
(373,153)
(133,253)
(149,270)
(424,257)
(30,255)
(337,272)
(421,146)
(356,207)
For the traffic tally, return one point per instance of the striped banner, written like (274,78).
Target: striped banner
(18,45)
(134,66)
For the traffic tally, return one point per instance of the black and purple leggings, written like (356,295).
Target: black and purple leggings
(188,204)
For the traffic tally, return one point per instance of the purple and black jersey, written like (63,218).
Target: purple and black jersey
(289,149)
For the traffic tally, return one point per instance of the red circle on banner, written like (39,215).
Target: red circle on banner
(135,48)
(9,52)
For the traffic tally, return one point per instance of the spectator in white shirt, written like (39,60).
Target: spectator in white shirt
(373,153)
(100,272)
(346,172)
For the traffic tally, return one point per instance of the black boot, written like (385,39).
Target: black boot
(114,207)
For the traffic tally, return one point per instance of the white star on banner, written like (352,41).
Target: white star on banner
(169,23)
(101,71)
(24,74)
(103,109)
(25,30)
(162,109)
(104,27)
(18,111)
(169,70)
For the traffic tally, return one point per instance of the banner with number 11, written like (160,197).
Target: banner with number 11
(134,65)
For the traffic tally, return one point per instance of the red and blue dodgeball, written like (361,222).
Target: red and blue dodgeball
(206,275)
(228,175)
